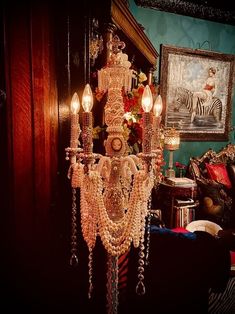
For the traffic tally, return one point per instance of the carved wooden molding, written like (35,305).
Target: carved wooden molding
(124,20)
(190,9)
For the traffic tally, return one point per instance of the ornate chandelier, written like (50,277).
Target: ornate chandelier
(115,189)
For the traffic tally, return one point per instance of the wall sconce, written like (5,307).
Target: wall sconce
(172,143)
(115,188)
(95,41)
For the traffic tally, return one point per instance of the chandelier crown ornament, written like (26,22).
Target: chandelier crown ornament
(115,189)
(115,45)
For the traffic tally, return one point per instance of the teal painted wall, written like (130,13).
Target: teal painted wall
(183,31)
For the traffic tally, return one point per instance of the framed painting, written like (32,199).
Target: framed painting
(196,89)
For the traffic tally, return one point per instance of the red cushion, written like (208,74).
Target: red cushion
(180,229)
(218,172)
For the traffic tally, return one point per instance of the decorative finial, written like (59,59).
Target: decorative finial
(115,45)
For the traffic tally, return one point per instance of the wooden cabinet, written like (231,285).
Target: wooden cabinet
(130,31)
(166,199)
(121,22)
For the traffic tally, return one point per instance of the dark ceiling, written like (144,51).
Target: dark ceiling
(217,11)
(223,5)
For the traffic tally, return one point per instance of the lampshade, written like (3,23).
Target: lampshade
(172,143)
(172,139)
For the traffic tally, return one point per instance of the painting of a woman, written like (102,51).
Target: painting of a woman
(208,92)
(196,89)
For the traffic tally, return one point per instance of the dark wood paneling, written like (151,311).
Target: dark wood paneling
(19,105)
(32,148)
(44,95)
(32,111)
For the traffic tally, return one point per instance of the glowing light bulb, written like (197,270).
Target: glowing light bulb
(147,99)
(157,107)
(75,104)
(87,98)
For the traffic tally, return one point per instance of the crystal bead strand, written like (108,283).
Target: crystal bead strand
(148,227)
(109,301)
(90,272)
(115,284)
(112,284)
(74,258)
(140,288)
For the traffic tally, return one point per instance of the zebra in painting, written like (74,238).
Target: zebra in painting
(184,96)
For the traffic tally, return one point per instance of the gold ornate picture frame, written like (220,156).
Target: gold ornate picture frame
(196,89)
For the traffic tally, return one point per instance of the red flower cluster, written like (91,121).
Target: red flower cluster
(135,136)
(179,165)
(132,100)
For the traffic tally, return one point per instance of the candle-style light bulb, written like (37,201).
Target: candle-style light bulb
(157,107)
(75,128)
(75,104)
(87,98)
(147,99)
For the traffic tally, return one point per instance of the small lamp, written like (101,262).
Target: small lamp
(172,143)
